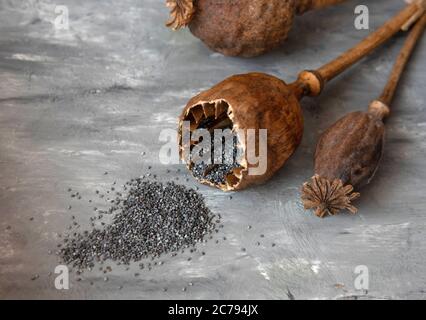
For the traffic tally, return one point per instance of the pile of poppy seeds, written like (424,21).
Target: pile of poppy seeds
(149,219)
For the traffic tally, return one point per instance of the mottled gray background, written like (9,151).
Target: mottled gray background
(77,103)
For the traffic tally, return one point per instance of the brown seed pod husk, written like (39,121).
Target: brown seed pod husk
(346,158)
(245,28)
(251,101)
(242,28)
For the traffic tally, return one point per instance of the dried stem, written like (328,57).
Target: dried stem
(328,197)
(181,12)
(377,38)
(312,82)
(401,62)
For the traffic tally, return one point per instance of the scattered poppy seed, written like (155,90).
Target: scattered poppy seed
(149,219)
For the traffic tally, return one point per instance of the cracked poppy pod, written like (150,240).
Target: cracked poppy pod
(262,101)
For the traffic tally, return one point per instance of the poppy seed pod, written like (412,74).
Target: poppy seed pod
(244,28)
(257,101)
(346,157)
(348,153)
(250,101)
(351,149)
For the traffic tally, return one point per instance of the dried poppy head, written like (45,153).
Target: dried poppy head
(240,103)
(244,28)
(346,157)
(348,153)
(259,101)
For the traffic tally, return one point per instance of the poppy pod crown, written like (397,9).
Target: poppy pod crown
(243,102)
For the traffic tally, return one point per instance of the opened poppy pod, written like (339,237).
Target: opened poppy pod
(348,153)
(244,28)
(257,101)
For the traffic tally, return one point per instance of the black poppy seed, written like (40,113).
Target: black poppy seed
(35,277)
(273,244)
(150,219)
(262,236)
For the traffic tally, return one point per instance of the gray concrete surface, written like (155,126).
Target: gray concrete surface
(77,103)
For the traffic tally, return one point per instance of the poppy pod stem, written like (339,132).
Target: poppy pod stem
(349,152)
(312,82)
(402,60)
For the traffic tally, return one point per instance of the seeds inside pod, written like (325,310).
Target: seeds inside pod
(349,152)
(244,28)
(258,101)
(240,103)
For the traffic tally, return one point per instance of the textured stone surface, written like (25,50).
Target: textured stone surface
(77,103)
